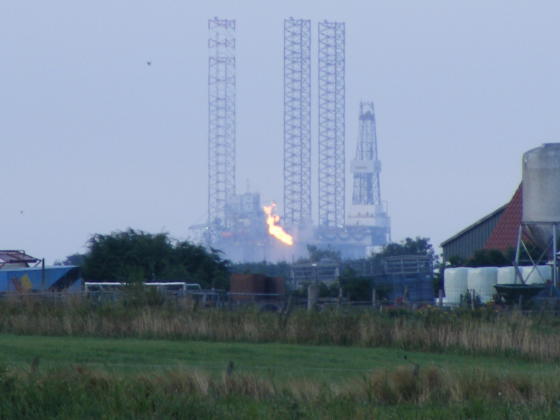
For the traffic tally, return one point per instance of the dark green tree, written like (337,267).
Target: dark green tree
(74,259)
(499,258)
(355,287)
(488,258)
(317,254)
(416,246)
(137,256)
(206,266)
(329,291)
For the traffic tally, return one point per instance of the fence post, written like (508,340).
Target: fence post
(440,297)
(373,297)
(43,279)
(405,296)
(312,296)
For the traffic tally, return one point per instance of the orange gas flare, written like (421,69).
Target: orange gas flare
(274,229)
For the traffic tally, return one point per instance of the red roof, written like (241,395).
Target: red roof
(504,234)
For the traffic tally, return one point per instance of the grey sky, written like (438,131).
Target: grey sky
(94,140)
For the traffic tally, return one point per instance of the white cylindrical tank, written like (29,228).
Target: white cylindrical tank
(455,284)
(482,281)
(536,275)
(541,189)
(530,274)
(506,275)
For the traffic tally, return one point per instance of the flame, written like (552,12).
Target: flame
(274,229)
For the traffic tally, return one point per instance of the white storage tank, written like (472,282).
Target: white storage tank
(482,281)
(536,275)
(455,284)
(531,275)
(506,275)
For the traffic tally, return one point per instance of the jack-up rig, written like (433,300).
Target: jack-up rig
(238,224)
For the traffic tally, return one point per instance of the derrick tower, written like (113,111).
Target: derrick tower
(221,123)
(368,214)
(297,122)
(331,124)
(366,166)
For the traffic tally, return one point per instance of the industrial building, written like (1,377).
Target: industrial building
(497,230)
(405,278)
(396,280)
(22,273)
(304,274)
(529,221)
(236,223)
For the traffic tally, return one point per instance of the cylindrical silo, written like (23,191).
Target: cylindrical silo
(536,274)
(506,275)
(455,284)
(541,191)
(482,281)
(530,274)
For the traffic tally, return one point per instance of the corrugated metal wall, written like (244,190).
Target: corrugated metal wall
(472,239)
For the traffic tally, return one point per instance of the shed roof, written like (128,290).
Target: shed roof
(10,256)
(504,235)
(496,212)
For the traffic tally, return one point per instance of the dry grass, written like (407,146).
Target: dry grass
(403,385)
(533,337)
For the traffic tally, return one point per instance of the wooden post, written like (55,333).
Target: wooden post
(312,296)
(405,295)
(373,297)
(440,297)
(43,277)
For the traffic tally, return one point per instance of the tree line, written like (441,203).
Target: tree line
(137,256)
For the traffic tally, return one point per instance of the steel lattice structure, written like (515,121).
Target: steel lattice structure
(221,121)
(297,122)
(331,124)
(366,167)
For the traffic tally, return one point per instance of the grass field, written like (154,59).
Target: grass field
(279,360)
(84,377)
(71,359)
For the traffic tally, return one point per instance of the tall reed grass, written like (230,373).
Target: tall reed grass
(535,337)
(402,393)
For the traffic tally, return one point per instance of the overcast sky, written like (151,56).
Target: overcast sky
(95,140)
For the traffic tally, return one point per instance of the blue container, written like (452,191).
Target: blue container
(37,279)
